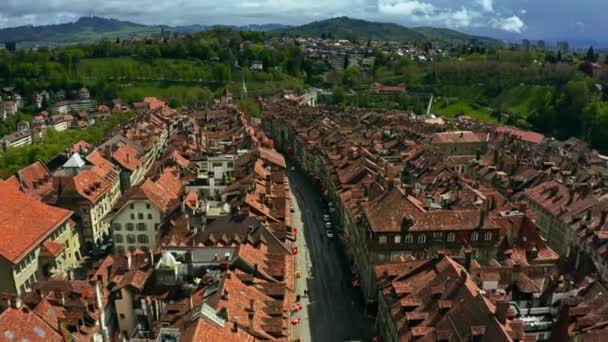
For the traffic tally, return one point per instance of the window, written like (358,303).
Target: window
(488,236)
(409,238)
(131,238)
(149,216)
(142,238)
(132,216)
(397,238)
(130,226)
(451,237)
(230,164)
(141,226)
(422,238)
(217,164)
(382,239)
(147,205)
(140,216)
(116,226)
(120,250)
(132,206)
(437,236)
(132,249)
(118,238)
(474,236)
(156,225)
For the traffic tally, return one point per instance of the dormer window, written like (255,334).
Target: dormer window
(382,239)
(409,238)
(474,236)
(488,236)
(422,238)
(397,239)
(451,237)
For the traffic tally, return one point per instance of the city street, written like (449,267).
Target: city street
(333,311)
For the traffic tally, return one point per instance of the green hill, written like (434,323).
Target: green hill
(85,30)
(349,28)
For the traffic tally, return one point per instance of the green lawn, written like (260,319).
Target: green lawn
(522,99)
(454,108)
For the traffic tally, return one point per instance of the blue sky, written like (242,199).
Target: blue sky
(535,19)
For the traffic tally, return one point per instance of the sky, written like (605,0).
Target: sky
(507,19)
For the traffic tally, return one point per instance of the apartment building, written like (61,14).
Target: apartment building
(39,241)
(137,217)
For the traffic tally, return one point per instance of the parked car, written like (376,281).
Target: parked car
(329,233)
(326,218)
(292,168)
(328,225)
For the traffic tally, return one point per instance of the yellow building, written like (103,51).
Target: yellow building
(38,240)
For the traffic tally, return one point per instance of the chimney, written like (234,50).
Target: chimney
(250,315)
(251,305)
(129,261)
(463,275)
(15,302)
(570,193)
(235,327)
(482,215)
(523,206)
(502,308)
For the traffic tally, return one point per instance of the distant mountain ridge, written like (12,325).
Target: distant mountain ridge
(349,28)
(93,29)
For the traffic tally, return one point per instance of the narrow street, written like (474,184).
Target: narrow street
(333,311)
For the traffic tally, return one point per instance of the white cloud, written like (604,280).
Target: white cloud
(511,24)
(405,7)
(523,11)
(425,13)
(487,5)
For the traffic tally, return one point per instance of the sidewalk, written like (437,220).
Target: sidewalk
(302,265)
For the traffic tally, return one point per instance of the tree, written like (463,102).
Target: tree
(338,96)
(590,56)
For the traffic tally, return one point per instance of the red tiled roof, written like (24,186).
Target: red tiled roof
(101,166)
(24,222)
(272,157)
(458,137)
(163,193)
(25,325)
(154,103)
(203,330)
(389,210)
(52,248)
(36,180)
(126,156)
(87,184)
(529,136)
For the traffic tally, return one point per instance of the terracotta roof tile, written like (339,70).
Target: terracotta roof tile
(36,180)
(25,325)
(25,222)
(127,157)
